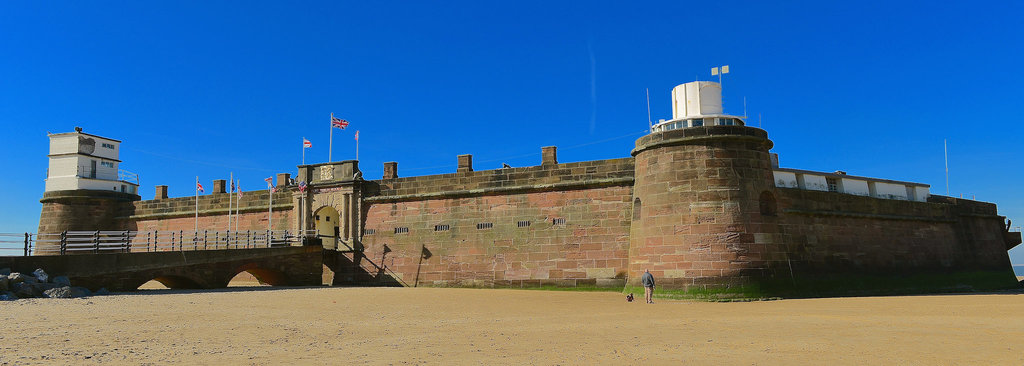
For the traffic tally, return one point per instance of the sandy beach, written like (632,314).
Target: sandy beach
(458,326)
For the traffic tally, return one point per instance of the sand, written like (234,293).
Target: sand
(266,325)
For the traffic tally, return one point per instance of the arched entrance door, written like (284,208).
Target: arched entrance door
(326,224)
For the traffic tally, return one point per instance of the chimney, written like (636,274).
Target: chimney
(218,185)
(161,193)
(390,170)
(775,160)
(549,155)
(283,180)
(465,163)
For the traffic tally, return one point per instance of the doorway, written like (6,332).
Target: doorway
(326,224)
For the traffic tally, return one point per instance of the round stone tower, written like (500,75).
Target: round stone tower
(704,205)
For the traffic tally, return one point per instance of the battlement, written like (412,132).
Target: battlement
(549,176)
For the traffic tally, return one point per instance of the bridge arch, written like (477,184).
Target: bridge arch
(264,275)
(173,281)
(326,222)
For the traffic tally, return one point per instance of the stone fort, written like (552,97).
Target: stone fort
(700,202)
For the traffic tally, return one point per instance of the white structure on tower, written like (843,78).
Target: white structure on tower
(696,104)
(80,161)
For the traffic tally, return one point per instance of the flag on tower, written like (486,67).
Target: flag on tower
(302,186)
(306,143)
(239,189)
(357,135)
(338,122)
(199,187)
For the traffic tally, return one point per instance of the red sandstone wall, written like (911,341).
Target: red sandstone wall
(256,221)
(831,233)
(591,248)
(179,213)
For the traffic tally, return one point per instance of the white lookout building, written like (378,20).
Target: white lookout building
(80,161)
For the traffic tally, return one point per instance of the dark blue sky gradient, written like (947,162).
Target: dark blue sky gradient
(206,88)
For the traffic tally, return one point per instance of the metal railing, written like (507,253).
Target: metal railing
(127,241)
(20,243)
(126,176)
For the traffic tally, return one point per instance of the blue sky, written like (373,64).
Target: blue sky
(207,88)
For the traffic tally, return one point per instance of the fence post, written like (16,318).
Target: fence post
(127,244)
(268,239)
(181,240)
(26,244)
(96,241)
(205,245)
(63,242)
(148,235)
(286,238)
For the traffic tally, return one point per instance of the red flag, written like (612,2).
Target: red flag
(357,135)
(338,122)
(306,143)
(270,184)
(199,187)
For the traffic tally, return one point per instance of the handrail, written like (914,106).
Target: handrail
(129,241)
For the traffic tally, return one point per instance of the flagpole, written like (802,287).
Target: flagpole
(238,205)
(357,145)
(197,205)
(303,150)
(231,192)
(330,145)
(270,210)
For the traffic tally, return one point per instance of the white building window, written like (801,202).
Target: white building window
(698,122)
(833,184)
(109,146)
(107,164)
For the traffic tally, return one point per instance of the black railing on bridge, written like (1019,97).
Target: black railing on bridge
(126,241)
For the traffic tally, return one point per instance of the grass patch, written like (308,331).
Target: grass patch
(841,285)
(577,288)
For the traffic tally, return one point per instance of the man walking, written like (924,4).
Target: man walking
(648,281)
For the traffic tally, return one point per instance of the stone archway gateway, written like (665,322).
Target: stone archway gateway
(330,207)
(325,222)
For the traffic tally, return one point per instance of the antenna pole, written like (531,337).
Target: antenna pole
(744,107)
(650,124)
(945,152)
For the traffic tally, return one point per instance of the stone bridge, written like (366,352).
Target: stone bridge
(201,269)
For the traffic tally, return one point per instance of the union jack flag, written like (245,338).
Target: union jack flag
(199,187)
(302,186)
(338,122)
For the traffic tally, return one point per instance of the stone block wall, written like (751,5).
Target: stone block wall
(831,233)
(561,238)
(179,213)
(558,224)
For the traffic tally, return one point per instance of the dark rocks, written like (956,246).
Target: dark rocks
(61,280)
(67,292)
(39,284)
(41,287)
(59,292)
(25,290)
(16,278)
(41,275)
(5,271)
(80,292)
(101,292)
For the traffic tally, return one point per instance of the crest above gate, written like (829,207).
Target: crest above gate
(327,173)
